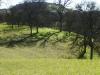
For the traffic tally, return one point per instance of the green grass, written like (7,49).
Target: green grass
(35,52)
(49,67)
(32,58)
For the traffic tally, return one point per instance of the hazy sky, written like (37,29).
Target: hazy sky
(7,3)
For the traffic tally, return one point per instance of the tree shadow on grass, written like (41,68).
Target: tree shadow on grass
(47,37)
(28,40)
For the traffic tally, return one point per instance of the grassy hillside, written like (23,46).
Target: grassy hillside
(48,43)
(45,53)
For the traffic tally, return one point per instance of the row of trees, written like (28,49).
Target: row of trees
(83,20)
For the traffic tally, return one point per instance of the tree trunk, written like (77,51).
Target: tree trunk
(85,46)
(61,26)
(31,30)
(18,25)
(37,29)
(84,51)
(60,21)
(12,26)
(91,54)
(91,50)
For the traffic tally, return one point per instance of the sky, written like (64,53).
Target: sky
(8,3)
